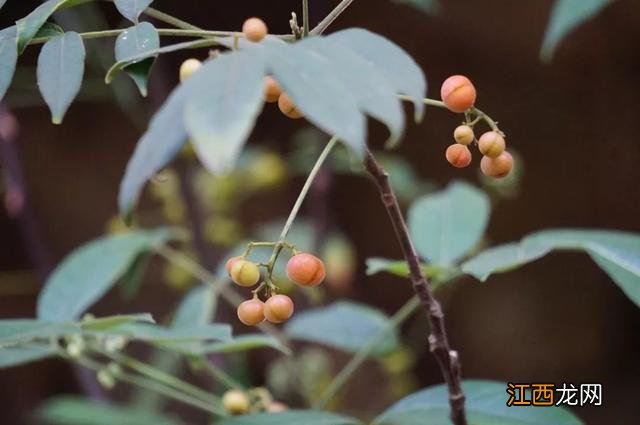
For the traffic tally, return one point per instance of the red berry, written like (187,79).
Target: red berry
(497,167)
(231,261)
(245,273)
(306,269)
(272,90)
(251,312)
(458,93)
(287,107)
(278,308)
(254,29)
(463,134)
(458,155)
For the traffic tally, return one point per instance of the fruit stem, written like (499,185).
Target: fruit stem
(305,18)
(328,20)
(296,207)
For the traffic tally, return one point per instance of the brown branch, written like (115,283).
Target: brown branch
(447,358)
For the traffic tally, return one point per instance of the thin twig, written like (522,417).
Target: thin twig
(328,20)
(447,358)
(168,19)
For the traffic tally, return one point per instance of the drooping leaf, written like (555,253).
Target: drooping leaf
(367,84)
(306,417)
(60,72)
(500,259)
(197,307)
(16,356)
(159,144)
(344,325)
(131,9)
(8,58)
(325,101)
(447,224)
(89,271)
(137,40)
(70,410)
(125,62)
(104,323)
(566,15)
(28,27)
(616,252)
(223,102)
(399,67)
(485,405)
(2,2)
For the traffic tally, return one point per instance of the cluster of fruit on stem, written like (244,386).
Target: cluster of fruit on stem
(254,30)
(459,95)
(302,269)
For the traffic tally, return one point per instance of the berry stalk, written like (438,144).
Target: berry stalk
(448,359)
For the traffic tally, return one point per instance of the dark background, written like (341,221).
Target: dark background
(574,121)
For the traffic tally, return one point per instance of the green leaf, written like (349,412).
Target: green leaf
(344,325)
(372,91)
(197,307)
(432,7)
(306,417)
(136,40)
(159,144)
(88,272)
(131,9)
(16,356)
(566,15)
(105,323)
(400,268)
(485,405)
(49,29)
(20,331)
(223,102)
(130,282)
(8,58)
(309,79)
(447,224)
(28,27)
(243,343)
(168,336)
(70,410)
(398,66)
(501,258)
(2,2)
(616,252)
(60,72)
(125,62)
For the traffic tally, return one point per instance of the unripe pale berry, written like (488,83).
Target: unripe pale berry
(236,402)
(287,107)
(306,269)
(491,144)
(458,155)
(245,273)
(278,308)
(230,262)
(463,134)
(497,167)
(458,93)
(251,312)
(254,29)
(272,90)
(188,68)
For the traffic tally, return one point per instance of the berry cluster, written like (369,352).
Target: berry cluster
(254,29)
(459,95)
(303,269)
